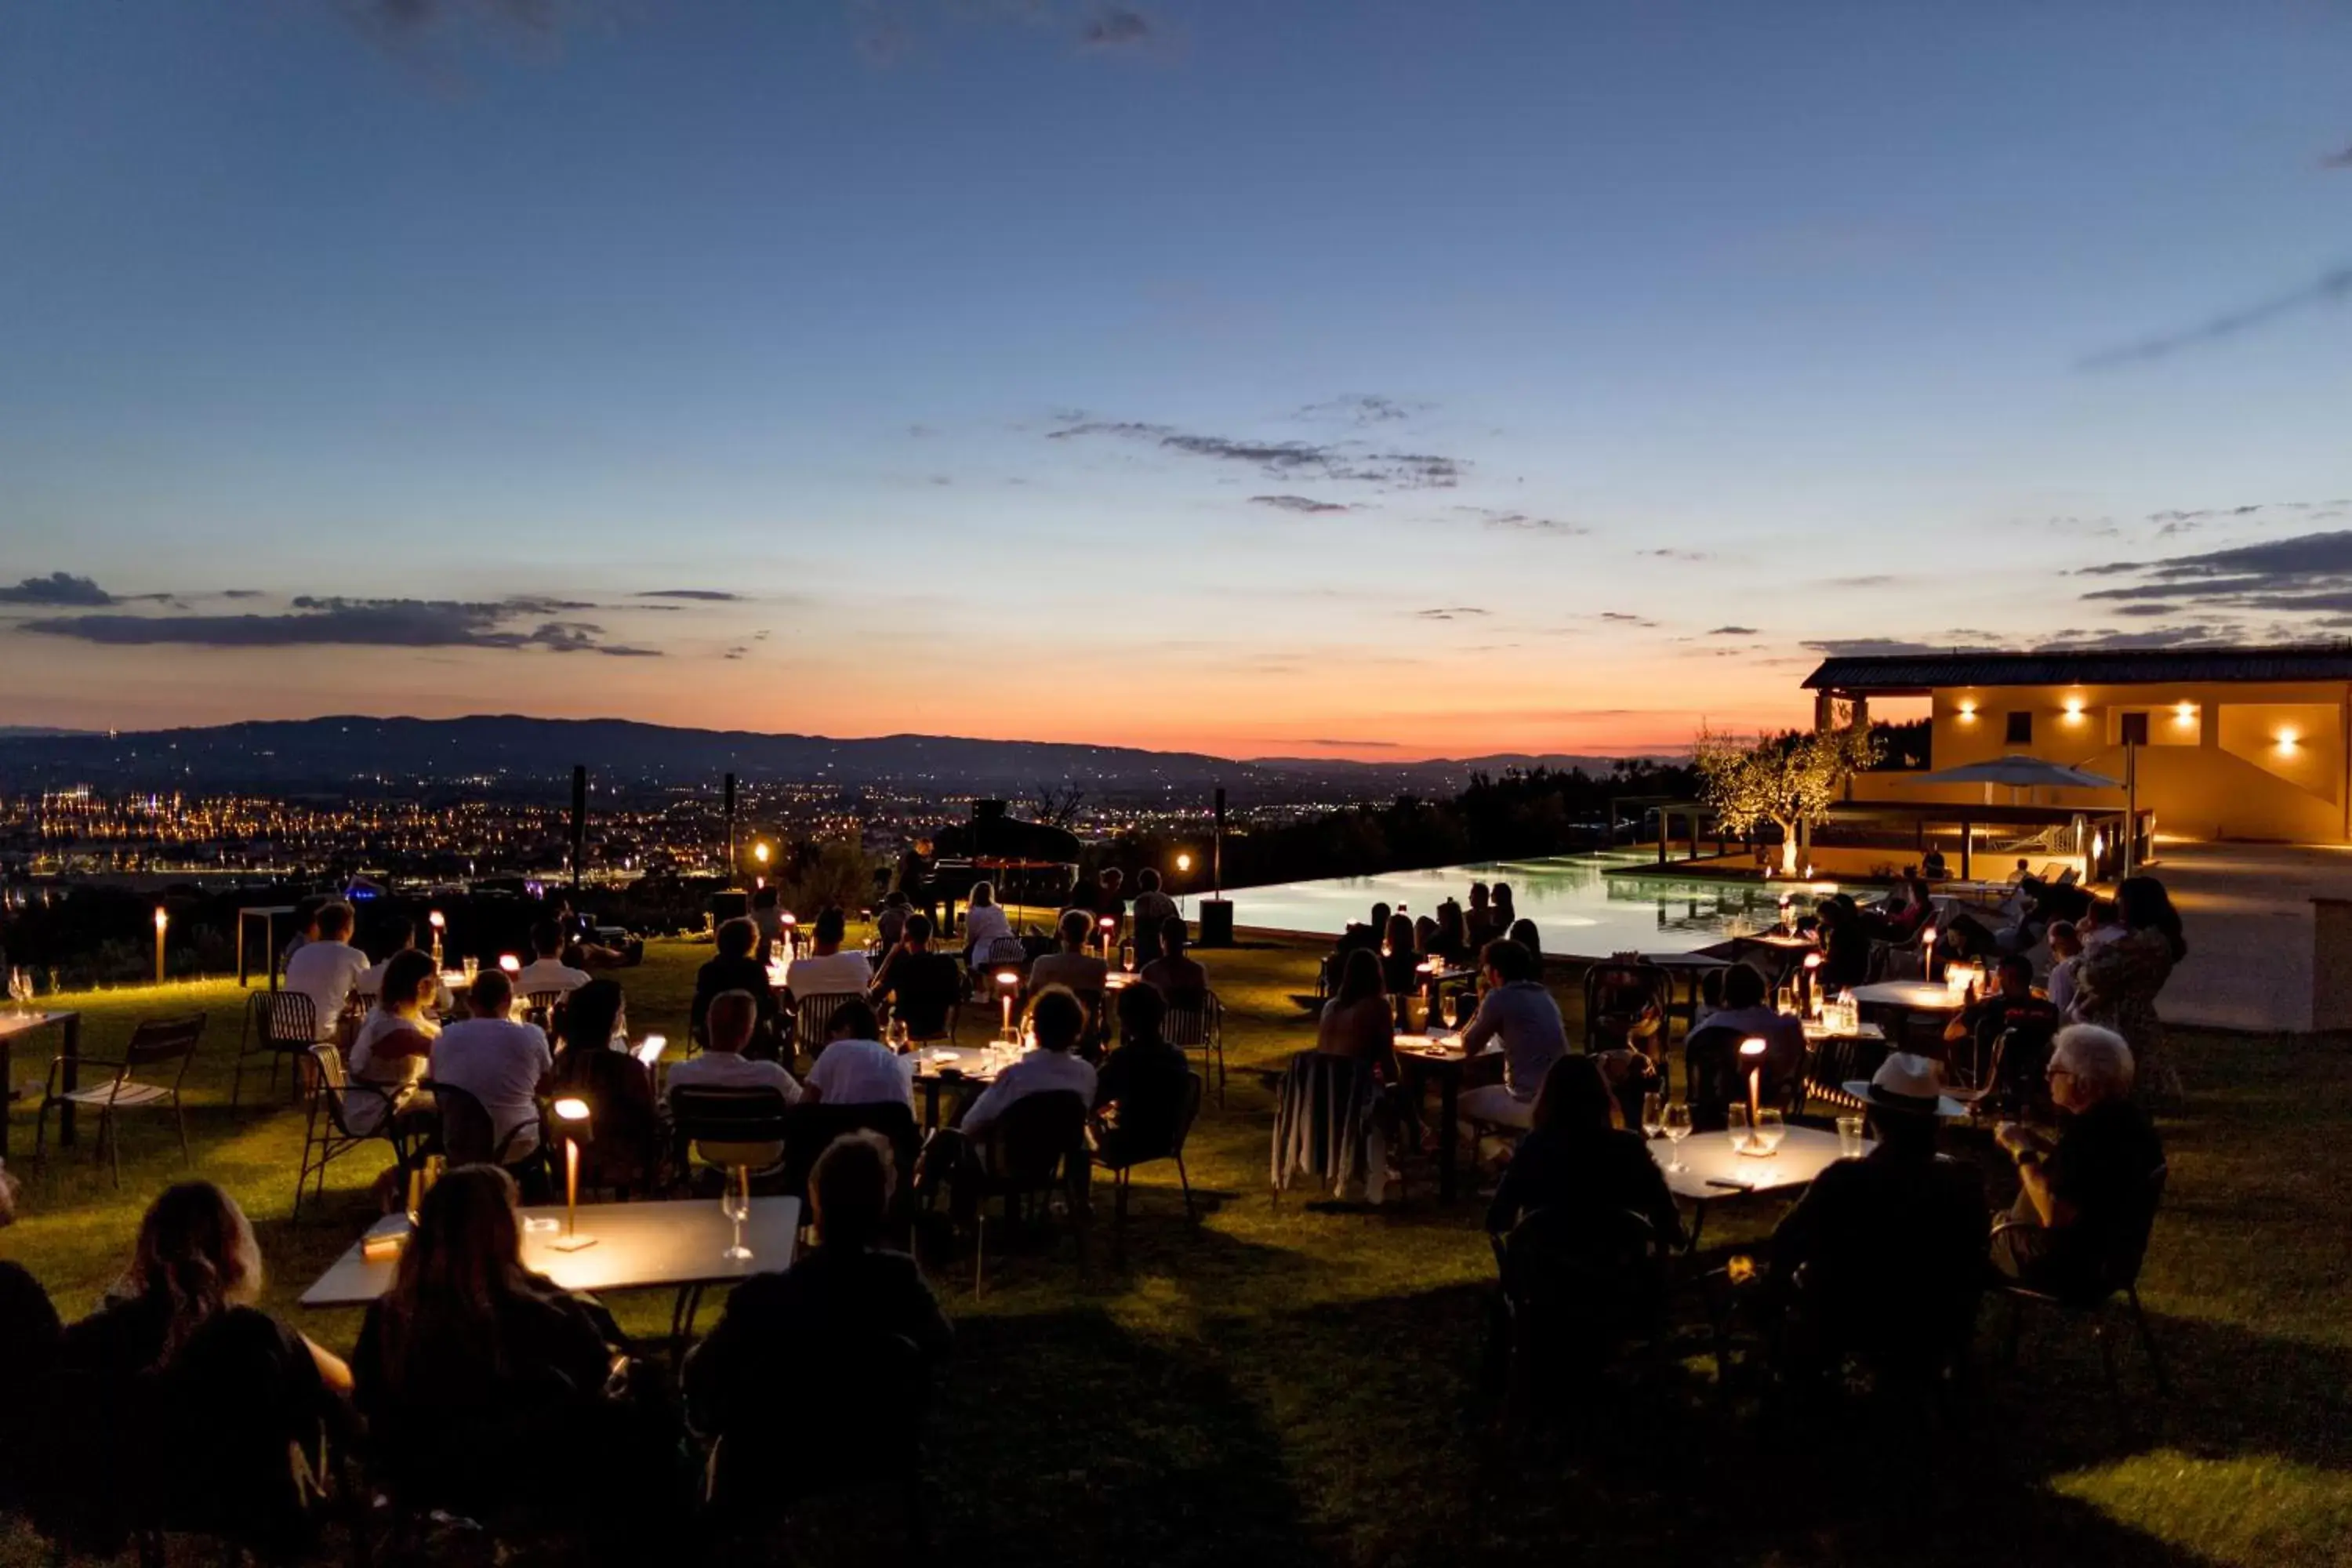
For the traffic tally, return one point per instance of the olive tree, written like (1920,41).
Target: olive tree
(1789,780)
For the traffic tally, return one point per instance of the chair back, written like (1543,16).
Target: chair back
(332,1083)
(1896,961)
(1188,1112)
(468,1135)
(2126,1242)
(813,1015)
(1711,1066)
(1039,1140)
(1592,1266)
(160,1040)
(541,1008)
(731,1127)
(875,1388)
(1323,1118)
(1190,1027)
(810,1130)
(284,1020)
(1617,995)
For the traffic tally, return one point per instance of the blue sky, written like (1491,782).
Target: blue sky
(1259,378)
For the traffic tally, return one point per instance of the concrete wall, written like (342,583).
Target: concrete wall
(2223,761)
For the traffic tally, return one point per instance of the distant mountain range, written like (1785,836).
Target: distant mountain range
(518,754)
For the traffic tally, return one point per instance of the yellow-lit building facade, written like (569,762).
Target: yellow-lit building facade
(2245,744)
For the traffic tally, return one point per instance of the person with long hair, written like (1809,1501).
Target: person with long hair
(1140,1087)
(28,1353)
(2116,982)
(394,1041)
(1507,914)
(1575,1153)
(1452,941)
(1524,932)
(1398,959)
(985,925)
(1359,1020)
(619,1089)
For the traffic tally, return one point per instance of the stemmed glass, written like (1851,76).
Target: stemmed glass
(735,1202)
(1675,1121)
(1736,1124)
(1769,1130)
(20,986)
(1653,1107)
(899,1035)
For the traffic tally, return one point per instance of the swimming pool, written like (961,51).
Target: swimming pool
(1579,909)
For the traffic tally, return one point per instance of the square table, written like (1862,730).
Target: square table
(1421,1058)
(1714,1171)
(937,1067)
(639,1247)
(13,1024)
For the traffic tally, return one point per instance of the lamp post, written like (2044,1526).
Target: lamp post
(163,920)
(573,1114)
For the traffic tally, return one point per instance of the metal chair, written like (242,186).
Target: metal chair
(813,1015)
(732,1129)
(327,1133)
(279,1024)
(1577,1283)
(156,1042)
(2115,1275)
(1187,1113)
(1039,1145)
(470,1137)
(1200,1028)
(544,1008)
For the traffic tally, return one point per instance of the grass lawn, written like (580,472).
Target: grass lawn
(1288,1385)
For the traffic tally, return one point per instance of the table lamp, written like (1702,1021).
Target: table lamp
(1007,983)
(1109,923)
(1751,1054)
(574,1113)
(1927,950)
(510,964)
(438,922)
(1811,980)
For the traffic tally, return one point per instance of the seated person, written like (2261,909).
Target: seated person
(1575,1153)
(483,1383)
(1519,1013)
(504,1065)
(829,971)
(849,1288)
(734,969)
(1451,942)
(1140,1087)
(1153,908)
(2101,923)
(1180,980)
(2065,965)
(1108,901)
(1358,1021)
(1524,932)
(592,1062)
(238,1388)
(2011,1004)
(1932,866)
(400,936)
(28,1354)
(1058,1020)
(1746,1012)
(767,916)
(855,1068)
(921,986)
(1366,936)
(394,1042)
(890,920)
(547,971)
(987,931)
(327,970)
(1883,1253)
(1071,966)
(726,1029)
(2082,1197)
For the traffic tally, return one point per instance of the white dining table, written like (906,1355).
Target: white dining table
(638,1247)
(1713,1171)
(1912,996)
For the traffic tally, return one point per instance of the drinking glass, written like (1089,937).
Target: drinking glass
(472,966)
(1677,1121)
(736,1204)
(20,986)
(898,1033)
(1769,1130)
(1735,1125)
(1654,1108)
(1849,1137)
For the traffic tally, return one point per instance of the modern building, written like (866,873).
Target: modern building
(2228,743)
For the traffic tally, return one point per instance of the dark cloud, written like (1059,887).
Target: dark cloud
(1733,632)
(2161,636)
(240,592)
(1451,611)
(419,15)
(1671,554)
(1843,647)
(357,623)
(59,588)
(700,595)
(2175,521)
(2338,161)
(1362,409)
(1625,618)
(2333,286)
(736,652)
(2310,573)
(1335,460)
(1115,28)
(1521,522)
(1299,504)
(1367,745)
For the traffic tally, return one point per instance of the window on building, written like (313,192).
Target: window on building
(2020,730)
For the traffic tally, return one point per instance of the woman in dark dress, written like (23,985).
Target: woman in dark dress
(625,1149)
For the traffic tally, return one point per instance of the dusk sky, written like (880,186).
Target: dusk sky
(1263,378)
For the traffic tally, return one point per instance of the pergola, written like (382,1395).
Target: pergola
(1667,808)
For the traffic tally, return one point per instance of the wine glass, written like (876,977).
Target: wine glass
(899,1035)
(20,986)
(1769,1130)
(1736,1124)
(1676,1121)
(1654,1108)
(735,1202)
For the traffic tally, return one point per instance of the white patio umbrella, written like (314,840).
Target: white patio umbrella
(2019,771)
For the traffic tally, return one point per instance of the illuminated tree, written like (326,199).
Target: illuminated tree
(1790,781)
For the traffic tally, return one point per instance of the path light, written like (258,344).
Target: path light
(573,1114)
(163,920)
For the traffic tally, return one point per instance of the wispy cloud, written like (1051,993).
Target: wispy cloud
(1523,523)
(1733,632)
(2337,160)
(1307,504)
(1870,580)
(358,623)
(1451,613)
(1363,408)
(59,588)
(1673,554)
(1115,28)
(1625,618)
(2333,286)
(700,595)
(1352,461)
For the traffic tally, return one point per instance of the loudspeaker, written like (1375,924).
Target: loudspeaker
(1216,922)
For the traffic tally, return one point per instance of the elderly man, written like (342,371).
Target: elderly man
(2082,1196)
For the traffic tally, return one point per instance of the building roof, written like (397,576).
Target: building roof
(1914,674)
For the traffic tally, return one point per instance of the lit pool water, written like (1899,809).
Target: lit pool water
(1579,908)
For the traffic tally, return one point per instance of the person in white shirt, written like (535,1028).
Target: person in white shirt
(547,971)
(328,970)
(856,1069)
(1058,1020)
(1073,966)
(829,972)
(1153,910)
(394,1042)
(2066,963)
(722,1064)
(502,1064)
(985,925)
